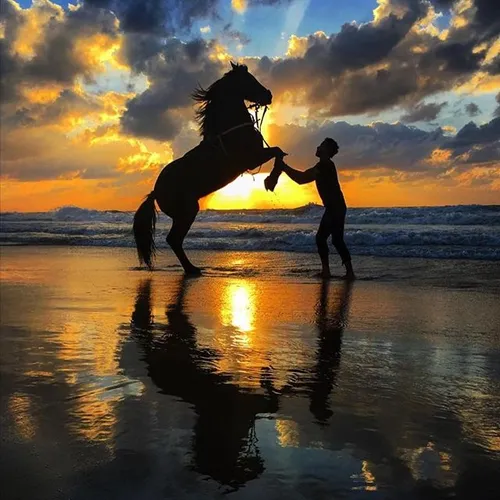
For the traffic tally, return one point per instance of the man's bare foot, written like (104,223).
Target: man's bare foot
(326,275)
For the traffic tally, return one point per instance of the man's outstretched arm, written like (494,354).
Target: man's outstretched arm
(299,176)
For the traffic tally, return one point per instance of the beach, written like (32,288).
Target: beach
(254,380)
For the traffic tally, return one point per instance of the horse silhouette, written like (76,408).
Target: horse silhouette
(231,145)
(224,442)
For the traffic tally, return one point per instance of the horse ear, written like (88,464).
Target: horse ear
(233,65)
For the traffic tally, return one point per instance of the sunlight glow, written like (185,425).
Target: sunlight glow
(248,191)
(240,6)
(238,309)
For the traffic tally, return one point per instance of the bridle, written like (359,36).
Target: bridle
(256,121)
(256,124)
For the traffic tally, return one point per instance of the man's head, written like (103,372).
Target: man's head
(327,148)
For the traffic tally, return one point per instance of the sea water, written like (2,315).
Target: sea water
(447,232)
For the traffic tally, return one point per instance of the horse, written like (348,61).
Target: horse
(231,145)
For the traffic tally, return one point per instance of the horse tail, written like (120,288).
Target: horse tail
(144,230)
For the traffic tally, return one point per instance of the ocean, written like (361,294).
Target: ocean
(446,232)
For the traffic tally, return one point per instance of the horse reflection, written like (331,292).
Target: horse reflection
(224,443)
(330,324)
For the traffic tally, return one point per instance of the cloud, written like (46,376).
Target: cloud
(423,112)
(46,45)
(173,73)
(472,109)
(393,147)
(473,136)
(160,17)
(399,58)
(168,17)
(380,145)
(234,35)
(240,6)
(48,54)
(497,111)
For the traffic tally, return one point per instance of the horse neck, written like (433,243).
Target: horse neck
(225,114)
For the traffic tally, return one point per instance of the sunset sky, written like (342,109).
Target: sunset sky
(95,96)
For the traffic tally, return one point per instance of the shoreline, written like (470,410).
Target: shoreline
(466,274)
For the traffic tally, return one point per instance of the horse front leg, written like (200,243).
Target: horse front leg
(272,179)
(262,156)
(266,154)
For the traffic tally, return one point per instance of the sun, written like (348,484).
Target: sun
(240,188)
(248,191)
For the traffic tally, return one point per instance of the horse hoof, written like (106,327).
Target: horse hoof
(193,271)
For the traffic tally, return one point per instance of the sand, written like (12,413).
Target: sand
(256,380)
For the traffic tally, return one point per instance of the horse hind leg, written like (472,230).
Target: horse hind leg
(182,221)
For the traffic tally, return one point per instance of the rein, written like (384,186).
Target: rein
(257,124)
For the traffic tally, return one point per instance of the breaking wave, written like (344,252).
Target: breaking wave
(471,232)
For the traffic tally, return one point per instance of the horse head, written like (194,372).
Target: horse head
(222,105)
(248,87)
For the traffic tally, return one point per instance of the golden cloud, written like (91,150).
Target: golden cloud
(240,6)
(439,157)
(33,25)
(297,46)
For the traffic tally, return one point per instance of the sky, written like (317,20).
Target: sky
(95,97)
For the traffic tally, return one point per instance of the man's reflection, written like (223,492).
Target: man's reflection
(224,442)
(330,323)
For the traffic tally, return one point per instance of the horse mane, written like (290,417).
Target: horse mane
(206,103)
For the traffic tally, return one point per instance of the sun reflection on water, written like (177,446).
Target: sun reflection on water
(238,310)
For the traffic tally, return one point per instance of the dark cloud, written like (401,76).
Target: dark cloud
(472,109)
(56,57)
(161,17)
(354,47)
(235,35)
(440,4)
(493,68)
(377,65)
(486,154)
(10,69)
(380,145)
(497,111)
(165,17)
(423,112)
(487,17)
(38,115)
(471,135)
(173,74)
(396,147)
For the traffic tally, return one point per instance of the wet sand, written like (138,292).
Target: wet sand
(119,383)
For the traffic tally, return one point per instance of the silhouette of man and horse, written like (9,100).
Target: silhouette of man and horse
(230,146)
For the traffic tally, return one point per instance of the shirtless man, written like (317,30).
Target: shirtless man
(332,222)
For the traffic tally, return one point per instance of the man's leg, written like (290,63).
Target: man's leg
(322,235)
(339,243)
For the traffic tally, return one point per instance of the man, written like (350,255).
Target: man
(332,222)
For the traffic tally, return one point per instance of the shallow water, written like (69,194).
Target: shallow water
(256,380)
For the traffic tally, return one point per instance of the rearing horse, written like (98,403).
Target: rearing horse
(230,146)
